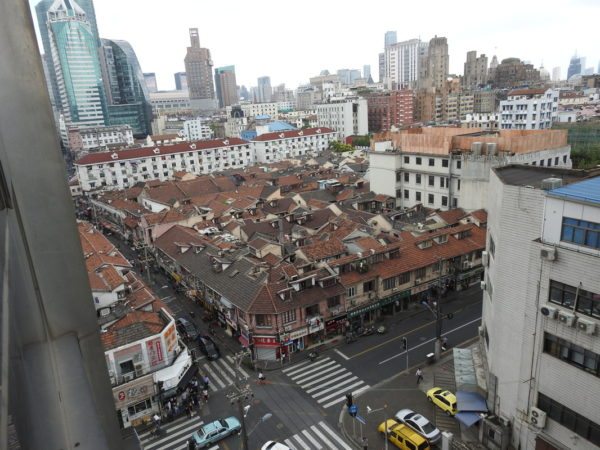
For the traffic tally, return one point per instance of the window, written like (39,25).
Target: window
(556,161)
(431,180)
(406,177)
(418,178)
(588,303)
(565,159)
(583,426)
(263,320)
(549,162)
(406,194)
(139,407)
(458,185)
(430,199)
(369,286)
(389,283)
(398,193)
(444,200)
(404,278)
(127,366)
(418,196)
(418,160)
(492,246)
(420,273)
(444,163)
(406,159)
(351,291)
(458,164)
(542,163)
(572,354)
(289,316)
(398,176)
(581,232)
(431,162)
(455,203)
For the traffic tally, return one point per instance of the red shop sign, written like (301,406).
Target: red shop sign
(267,341)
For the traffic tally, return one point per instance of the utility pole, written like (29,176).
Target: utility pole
(438,315)
(241,393)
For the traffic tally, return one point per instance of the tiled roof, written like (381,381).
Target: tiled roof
(323,249)
(452,216)
(97,250)
(480,215)
(156,151)
(293,134)
(105,279)
(133,327)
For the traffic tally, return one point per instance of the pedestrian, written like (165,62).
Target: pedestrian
(205,381)
(444,343)
(188,410)
(365,443)
(205,395)
(419,375)
(261,377)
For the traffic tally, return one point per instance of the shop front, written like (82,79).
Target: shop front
(136,401)
(266,348)
(176,376)
(245,337)
(316,327)
(466,279)
(292,341)
(335,325)
(367,313)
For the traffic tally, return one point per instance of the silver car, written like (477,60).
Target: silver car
(420,424)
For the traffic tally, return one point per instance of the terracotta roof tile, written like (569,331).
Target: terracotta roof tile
(293,134)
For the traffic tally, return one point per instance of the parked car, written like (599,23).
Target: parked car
(443,399)
(402,436)
(272,445)
(215,431)
(208,347)
(420,424)
(187,330)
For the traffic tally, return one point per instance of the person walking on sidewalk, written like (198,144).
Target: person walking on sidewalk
(261,377)
(419,375)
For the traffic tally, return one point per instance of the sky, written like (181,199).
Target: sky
(293,41)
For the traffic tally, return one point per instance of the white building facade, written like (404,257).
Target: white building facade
(348,116)
(196,130)
(170,101)
(485,121)
(259,109)
(273,147)
(529,109)
(402,63)
(89,138)
(541,306)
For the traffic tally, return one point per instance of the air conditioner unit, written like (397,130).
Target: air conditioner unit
(548,253)
(483,285)
(549,311)
(418,281)
(587,326)
(567,318)
(139,370)
(466,264)
(127,377)
(485,258)
(537,417)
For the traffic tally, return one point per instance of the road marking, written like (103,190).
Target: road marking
(301,442)
(430,340)
(231,359)
(312,440)
(341,354)
(169,437)
(345,389)
(322,437)
(213,376)
(292,369)
(315,368)
(331,381)
(335,436)
(301,378)
(175,425)
(333,369)
(325,391)
(354,393)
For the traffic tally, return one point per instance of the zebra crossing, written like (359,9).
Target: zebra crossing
(178,433)
(317,437)
(222,372)
(326,380)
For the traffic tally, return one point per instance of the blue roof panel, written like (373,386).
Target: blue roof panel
(280,126)
(584,191)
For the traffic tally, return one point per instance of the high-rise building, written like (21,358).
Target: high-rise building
(556,74)
(434,66)
(226,86)
(367,73)
(512,72)
(402,63)
(476,70)
(264,90)
(76,64)
(575,66)
(244,94)
(198,67)
(390,109)
(381,67)
(390,38)
(150,81)
(180,81)
(125,86)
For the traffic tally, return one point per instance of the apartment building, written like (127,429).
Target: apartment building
(196,130)
(169,101)
(449,167)
(541,307)
(263,109)
(348,116)
(484,121)
(388,109)
(273,147)
(89,138)
(529,109)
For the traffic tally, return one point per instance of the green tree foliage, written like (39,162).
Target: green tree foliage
(337,146)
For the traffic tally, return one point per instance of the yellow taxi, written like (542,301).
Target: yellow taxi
(443,399)
(403,436)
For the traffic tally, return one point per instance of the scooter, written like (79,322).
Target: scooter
(313,355)
(381,329)
(350,337)
(368,331)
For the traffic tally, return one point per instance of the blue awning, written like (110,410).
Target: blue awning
(468,418)
(470,401)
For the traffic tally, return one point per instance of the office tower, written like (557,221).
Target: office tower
(244,94)
(76,65)
(390,38)
(575,66)
(381,67)
(125,87)
(476,70)
(181,81)
(226,86)
(150,81)
(556,74)
(198,68)
(264,90)
(367,72)
(402,63)
(433,70)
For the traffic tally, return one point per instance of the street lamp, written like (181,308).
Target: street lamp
(385,427)
(264,418)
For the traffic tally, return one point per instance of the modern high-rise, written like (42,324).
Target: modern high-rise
(367,72)
(575,66)
(198,67)
(476,70)
(434,66)
(264,90)
(381,67)
(125,86)
(556,74)
(226,86)
(150,82)
(390,38)
(76,64)
(180,81)
(402,63)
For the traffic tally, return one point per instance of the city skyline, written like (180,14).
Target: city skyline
(335,47)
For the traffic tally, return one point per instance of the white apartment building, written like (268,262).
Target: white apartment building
(541,306)
(196,130)
(348,116)
(402,63)
(446,168)
(529,109)
(484,121)
(259,109)
(122,169)
(170,101)
(89,138)
(273,147)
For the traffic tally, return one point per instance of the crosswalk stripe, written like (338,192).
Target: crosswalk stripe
(337,386)
(186,432)
(334,436)
(223,374)
(345,389)
(301,378)
(336,372)
(213,376)
(333,402)
(229,369)
(289,444)
(315,368)
(176,424)
(312,440)
(231,359)
(301,442)
(293,369)
(322,437)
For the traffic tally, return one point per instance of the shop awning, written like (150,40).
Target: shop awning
(170,376)
(470,401)
(375,305)
(468,418)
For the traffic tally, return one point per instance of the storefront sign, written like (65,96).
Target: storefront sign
(171,337)
(155,352)
(265,341)
(376,305)
(315,326)
(134,391)
(332,325)
(297,334)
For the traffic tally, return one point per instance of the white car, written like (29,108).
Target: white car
(272,445)
(420,424)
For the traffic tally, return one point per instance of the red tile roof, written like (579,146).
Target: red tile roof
(480,215)
(526,92)
(147,152)
(292,134)
(452,216)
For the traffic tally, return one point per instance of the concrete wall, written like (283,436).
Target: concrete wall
(382,167)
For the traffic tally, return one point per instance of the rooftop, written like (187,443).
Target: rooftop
(532,176)
(587,191)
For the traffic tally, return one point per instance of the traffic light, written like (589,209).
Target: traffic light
(404,343)
(349,400)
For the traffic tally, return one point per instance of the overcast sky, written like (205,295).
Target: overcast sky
(292,41)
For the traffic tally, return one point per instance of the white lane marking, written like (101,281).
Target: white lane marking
(321,400)
(289,444)
(334,436)
(430,340)
(312,368)
(333,370)
(302,377)
(186,432)
(213,376)
(318,394)
(175,425)
(336,401)
(341,354)
(338,371)
(312,440)
(224,364)
(322,437)
(290,370)
(301,442)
